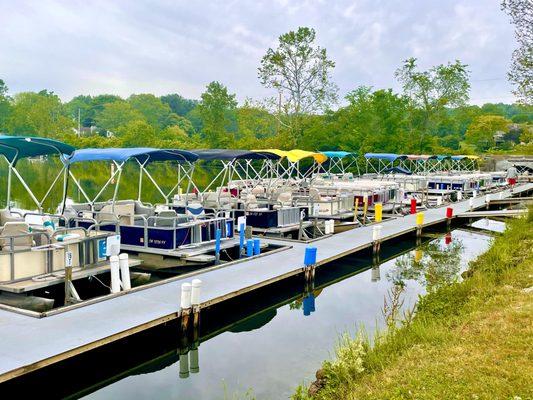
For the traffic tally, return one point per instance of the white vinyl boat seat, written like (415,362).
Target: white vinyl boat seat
(13,228)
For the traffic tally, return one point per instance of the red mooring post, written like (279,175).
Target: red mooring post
(449,212)
(413,206)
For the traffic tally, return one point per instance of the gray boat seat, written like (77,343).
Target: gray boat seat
(14,228)
(7,216)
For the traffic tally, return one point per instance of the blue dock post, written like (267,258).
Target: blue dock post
(310,256)
(257,247)
(218,234)
(241,240)
(249,247)
(306,306)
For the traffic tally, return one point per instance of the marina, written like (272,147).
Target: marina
(89,327)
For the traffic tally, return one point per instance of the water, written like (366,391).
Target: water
(286,347)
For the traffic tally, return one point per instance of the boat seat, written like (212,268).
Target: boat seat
(250,202)
(7,216)
(123,212)
(167,218)
(14,229)
(195,210)
(285,198)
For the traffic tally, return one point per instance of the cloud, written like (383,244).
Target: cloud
(165,46)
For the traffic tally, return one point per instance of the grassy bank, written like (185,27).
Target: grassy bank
(468,340)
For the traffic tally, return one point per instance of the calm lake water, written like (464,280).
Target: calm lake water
(267,357)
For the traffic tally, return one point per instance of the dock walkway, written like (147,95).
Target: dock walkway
(31,343)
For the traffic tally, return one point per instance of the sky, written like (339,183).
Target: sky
(171,46)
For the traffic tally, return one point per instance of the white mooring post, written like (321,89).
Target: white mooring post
(195,293)
(376,238)
(185,303)
(125,271)
(115,274)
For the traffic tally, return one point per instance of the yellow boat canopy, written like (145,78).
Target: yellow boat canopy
(297,155)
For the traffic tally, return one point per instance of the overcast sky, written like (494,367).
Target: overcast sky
(160,47)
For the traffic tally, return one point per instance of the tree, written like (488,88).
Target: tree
(300,71)
(137,133)
(40,114)
(5,105)
(254,123)
(179,104)
(154,110)
(217,112)
(117,114)
(481,132)
(521,72)
(432,91)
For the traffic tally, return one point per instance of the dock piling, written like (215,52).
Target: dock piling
(115,274)
(419,223)
(378,211)
(124,264)
(376,238)
(218,234)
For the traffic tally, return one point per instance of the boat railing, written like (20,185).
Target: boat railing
(12,249)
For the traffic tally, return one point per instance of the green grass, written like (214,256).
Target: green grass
(468,340)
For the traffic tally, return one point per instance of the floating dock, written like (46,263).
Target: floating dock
(30,343)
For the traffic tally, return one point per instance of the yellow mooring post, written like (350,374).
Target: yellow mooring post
(355,209)
(419,223)
(378,211)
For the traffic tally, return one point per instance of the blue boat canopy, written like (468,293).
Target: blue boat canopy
(457,158)
(228,155)
(15,148)
(385,156)
(441,157)
(142,154)
(337,154)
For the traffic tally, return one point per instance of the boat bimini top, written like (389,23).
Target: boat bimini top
(143,156)
(15,148)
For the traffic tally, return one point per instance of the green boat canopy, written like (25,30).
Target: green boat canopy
(14,148)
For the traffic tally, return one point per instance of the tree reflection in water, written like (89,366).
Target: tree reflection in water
(433,265)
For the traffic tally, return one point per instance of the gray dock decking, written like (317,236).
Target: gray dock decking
(30,343)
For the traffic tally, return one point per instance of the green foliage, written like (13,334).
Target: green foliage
(5,106)
(178,104)
(431,91)
(217,110)
(40,114)
(117,115)
(155,112)
(481,132)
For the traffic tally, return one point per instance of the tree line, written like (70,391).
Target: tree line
(430,115)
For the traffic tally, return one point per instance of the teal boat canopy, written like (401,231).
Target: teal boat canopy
(14,148)
(337,154)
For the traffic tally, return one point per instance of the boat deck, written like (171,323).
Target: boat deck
(31,343)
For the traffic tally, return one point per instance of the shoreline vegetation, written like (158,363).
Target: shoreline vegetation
(467,340)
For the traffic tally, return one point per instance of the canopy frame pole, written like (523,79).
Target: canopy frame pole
(28,190)
(61,173)
(78,185)
(139,187)
(115,192)
(111,178)
(185,172)
(153,181)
